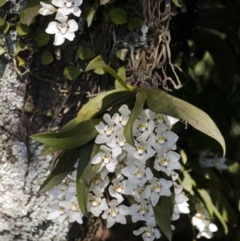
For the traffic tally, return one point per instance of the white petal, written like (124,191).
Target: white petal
(110,221)
(58,3)
(120,219)
(69,35)
(157,233)
(124,210)
(138,232)
(212,227)
(52,27)
(59,39)
(76,11)
(78,2)
(72,24)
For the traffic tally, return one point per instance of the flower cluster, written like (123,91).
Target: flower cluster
(144,171)
(203,223)
(64,204)
(129,170)
(62,28)
(208,159)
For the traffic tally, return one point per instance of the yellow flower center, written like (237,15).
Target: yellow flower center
(95,201)
(139,173)
(142,126)
(106,158)
(161,139)
(156,187)
(108,130)
(113,212)
(123,120)
(164,161)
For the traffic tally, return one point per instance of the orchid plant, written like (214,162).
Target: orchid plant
(116,151)
(122,146)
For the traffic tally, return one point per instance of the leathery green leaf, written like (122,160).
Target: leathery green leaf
(84,180)
(48,150)
(77,136)
(64,166)
(102,102)
(136,111)
(211,208)
(82,188)
(159,101)
(99,63)
(163,212)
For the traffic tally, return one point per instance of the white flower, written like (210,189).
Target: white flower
(115,214)
(123,119)
(208,231)
(159,187)
(96,204)
(57,211)
(167,162)
(101,180)
(143,126)
(105,131)
(68,6)
(141,211)
(72,207)
(63,29)
(107,157)
(163,120)
(149,232)
(163,138)
(141,193)
(119,187)
(117,140)
(46,9)
(142,150)
(137,173)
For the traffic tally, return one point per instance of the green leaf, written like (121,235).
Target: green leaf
(31,11)
(119,16)
(103,2)
(63,167)
(91,12)
(22,29)
(102,102)
(2,50)
(20,46)
(71,72)
(135,23)
(6,27)
(122,53)
(42,38)
(85,53)
(160,102)
(99,71)
(77,136)
(98,62)
(49,150)
(3,16)
(82,187)
(211,208)
(122,75)
(178,3)
(46,58)
(2,3)
(163,212)
(136,111)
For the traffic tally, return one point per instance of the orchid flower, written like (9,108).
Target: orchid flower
(63,29)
